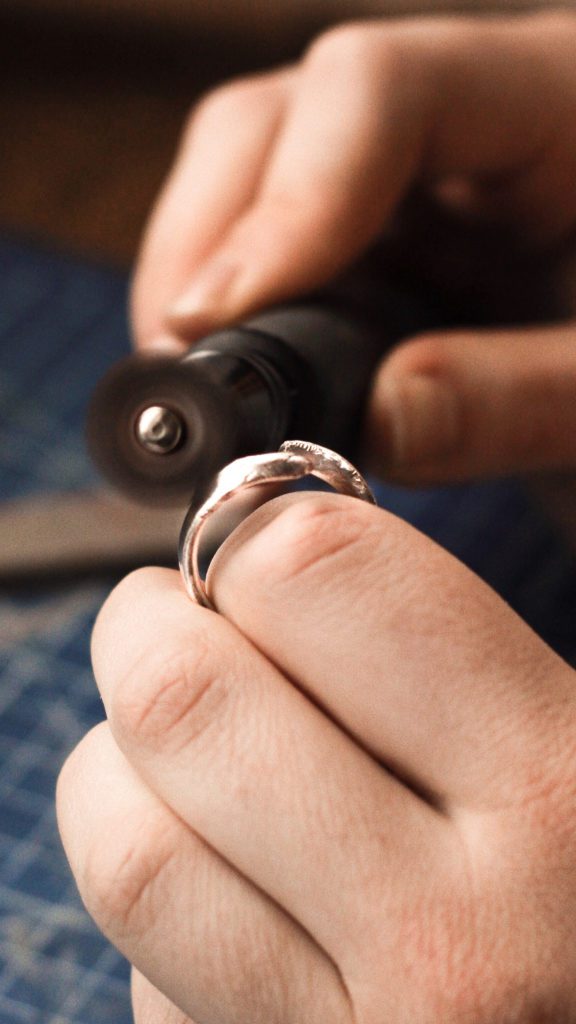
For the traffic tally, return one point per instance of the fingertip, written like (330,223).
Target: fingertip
(413,421)
(164,344)
(191,322)
(460,405)
(282,247)
(148,580)
(207,291)
(132,588)
(145,594)
(417,423)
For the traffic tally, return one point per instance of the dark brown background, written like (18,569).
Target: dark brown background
(90,112)
(93,94)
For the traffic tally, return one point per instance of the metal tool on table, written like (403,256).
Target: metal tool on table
(48,537)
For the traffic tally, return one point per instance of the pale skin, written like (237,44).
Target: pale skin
(350,795)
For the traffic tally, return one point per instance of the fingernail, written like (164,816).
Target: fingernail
(165,345)
(204,299)
(422,416)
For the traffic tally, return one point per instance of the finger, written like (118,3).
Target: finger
(221,160)
(399,642)
(150,1006)
(376,107)
(243,757)
(475,404)
(323,197)
(204,936)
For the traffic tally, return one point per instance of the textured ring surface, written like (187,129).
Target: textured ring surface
(293,461)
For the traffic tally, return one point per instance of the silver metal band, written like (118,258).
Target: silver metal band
(294,461)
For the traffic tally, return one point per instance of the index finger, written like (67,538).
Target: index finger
(213,181)
(255,768)
(378,106)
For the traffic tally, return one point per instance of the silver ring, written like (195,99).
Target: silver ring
(293,461)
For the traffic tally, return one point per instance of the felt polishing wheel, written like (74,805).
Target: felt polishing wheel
(209,419)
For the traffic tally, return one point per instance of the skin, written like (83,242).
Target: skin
(263,203)
(349,795)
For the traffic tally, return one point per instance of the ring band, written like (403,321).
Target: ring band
(293,461)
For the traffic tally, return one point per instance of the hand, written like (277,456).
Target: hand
(283,180)
(349,797)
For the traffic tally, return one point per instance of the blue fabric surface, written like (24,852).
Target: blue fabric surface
(61,324)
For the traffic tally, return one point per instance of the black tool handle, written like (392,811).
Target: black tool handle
(301,371)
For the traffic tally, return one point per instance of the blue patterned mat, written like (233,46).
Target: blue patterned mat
(61,324)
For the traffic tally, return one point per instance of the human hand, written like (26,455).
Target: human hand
(349,797)
(283,180)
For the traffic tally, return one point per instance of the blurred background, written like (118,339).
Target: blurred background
(93,94)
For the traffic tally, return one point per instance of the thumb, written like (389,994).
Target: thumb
(449,407)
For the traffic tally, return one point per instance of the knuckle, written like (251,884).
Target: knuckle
(426,37)
(428,354)
(227,102)
(348,43)
(123,596)
(558,22)
(312,534)
(164,703)
(385,48)
(125,878)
